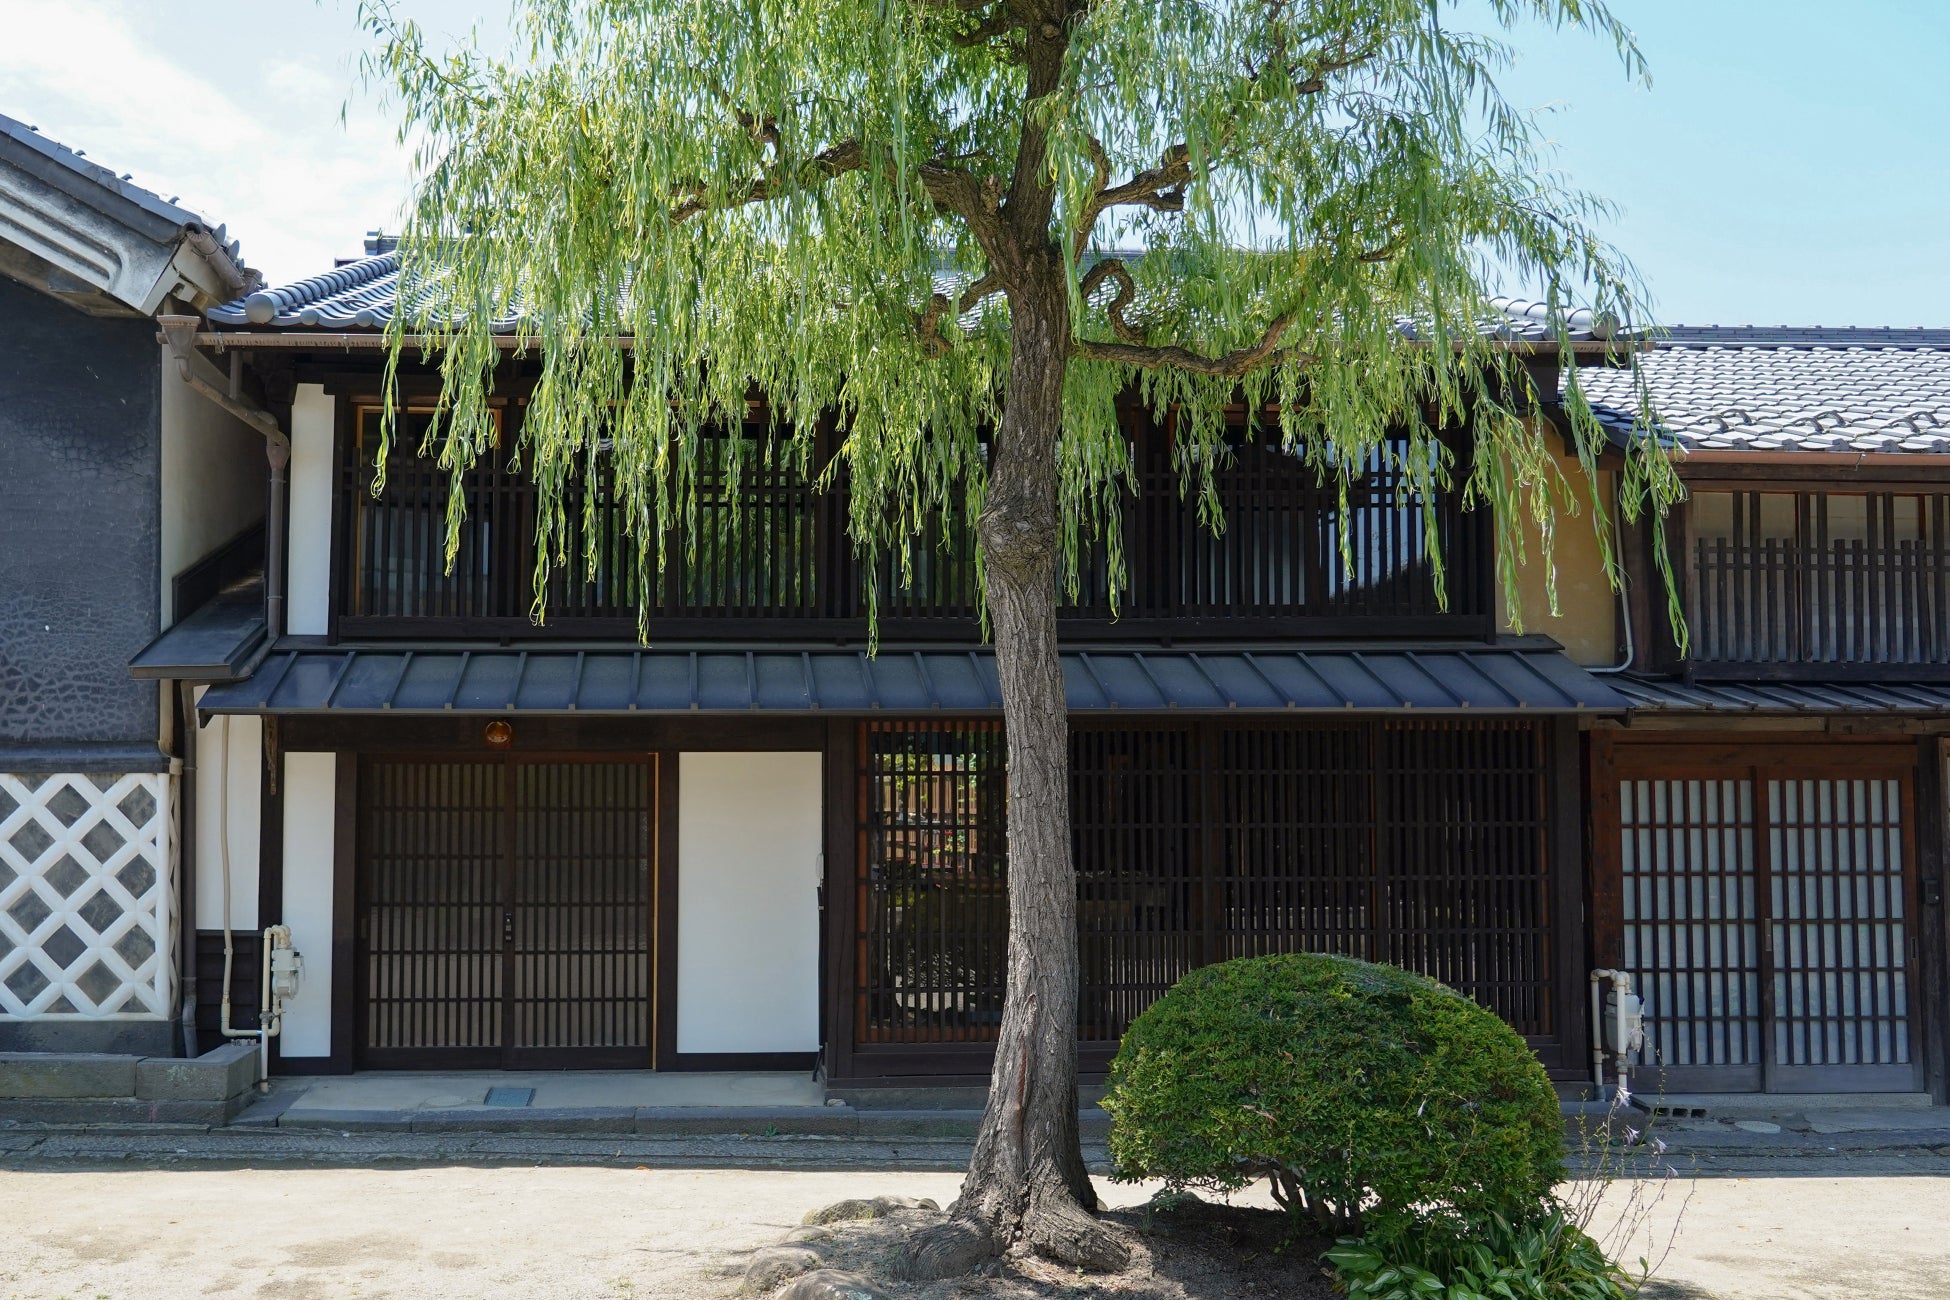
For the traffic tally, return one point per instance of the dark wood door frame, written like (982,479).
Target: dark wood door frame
(508,1054)
(1932,821)
(892,1065)
(353,740)
(1707,757)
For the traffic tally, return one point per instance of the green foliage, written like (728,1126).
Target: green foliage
(677,203)
(1482,1257)
(1359,1090)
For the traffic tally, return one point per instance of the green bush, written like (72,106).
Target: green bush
(1355,1088)
(1449,1257)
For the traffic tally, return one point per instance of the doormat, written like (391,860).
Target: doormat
(510,1096)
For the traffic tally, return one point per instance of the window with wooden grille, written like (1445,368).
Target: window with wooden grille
(1819,581)
(750,552)
(763,552)
(1422,844)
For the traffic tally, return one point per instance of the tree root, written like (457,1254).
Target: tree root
(1053,1227)
(1058,1229)
(949,1249)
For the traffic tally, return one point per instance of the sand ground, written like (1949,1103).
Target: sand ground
(615,1233)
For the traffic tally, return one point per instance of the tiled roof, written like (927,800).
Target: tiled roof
(1780,388)
(363,294)
(1716,388)
(213,243)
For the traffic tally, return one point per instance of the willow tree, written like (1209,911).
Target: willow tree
(906,217)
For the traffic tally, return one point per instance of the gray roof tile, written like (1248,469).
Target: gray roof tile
(167,210)
(1776,388)
(363,294)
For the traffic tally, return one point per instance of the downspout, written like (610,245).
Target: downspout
(1624,597)
(179,333)
(186,858)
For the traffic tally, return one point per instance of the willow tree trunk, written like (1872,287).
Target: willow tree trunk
(1026,1181)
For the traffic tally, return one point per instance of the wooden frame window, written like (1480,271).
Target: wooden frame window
(767,555)
(1429,845)
(1799,582)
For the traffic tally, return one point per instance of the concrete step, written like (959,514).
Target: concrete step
(834,1121)
(931,1098)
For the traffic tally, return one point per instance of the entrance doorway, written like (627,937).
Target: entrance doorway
(1765,904)
(504,912)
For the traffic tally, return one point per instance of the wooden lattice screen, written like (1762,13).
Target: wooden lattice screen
(1763,897)
(766,550)
(504,912)
(1423,845)
(1812,582)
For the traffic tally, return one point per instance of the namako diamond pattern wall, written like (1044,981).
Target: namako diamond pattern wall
(86,896)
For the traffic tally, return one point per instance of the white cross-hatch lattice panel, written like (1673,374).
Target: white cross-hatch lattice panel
(86,897)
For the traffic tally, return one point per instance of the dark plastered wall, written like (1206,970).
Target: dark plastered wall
(80,512)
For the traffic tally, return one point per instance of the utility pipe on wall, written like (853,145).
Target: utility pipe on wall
(261,1033)
(1626,1029)
(280,967)
(1624,580)
(179,333)
(186,795)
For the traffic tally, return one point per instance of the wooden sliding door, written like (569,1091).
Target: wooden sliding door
(504,912)
(1765,900)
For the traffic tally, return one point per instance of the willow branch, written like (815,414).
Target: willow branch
(763,130)
(1160,188)
(1383,252)
(927,322)
(998,21)
(1230,365)
(837,160)
(1112,268)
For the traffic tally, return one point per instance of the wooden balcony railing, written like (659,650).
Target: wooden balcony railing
(768,557)
(1822,585)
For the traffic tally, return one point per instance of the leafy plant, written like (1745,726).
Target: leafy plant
(1358,1090)
(1480,1257)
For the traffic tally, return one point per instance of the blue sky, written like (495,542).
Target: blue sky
(1790,164)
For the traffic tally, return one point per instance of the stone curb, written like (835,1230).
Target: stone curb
(795,1121)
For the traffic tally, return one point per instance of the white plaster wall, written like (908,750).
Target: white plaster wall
(308,593)
(243,738)
(748,865)
(310,789)
(214,479)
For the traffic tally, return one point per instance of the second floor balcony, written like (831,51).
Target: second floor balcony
(768,557)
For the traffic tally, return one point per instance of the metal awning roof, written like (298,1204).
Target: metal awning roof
(611,682)
(1667,695)
(217,643)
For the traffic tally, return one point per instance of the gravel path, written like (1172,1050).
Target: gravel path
(88,1232)
(377,1234)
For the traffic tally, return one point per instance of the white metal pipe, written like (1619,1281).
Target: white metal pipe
(1624,591)
(1621,985)
(262,1032)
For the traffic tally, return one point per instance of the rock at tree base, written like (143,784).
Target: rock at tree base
(775,1264)
(808,1234)
(877,1207)
(832,1284)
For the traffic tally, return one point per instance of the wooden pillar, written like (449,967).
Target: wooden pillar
(1931,820)
(1605,883)
(1567,889)
(838,898)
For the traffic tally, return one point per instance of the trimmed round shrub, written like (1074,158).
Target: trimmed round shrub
(1355,1088)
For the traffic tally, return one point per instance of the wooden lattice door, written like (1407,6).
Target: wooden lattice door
(1765,901)
(504,910)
